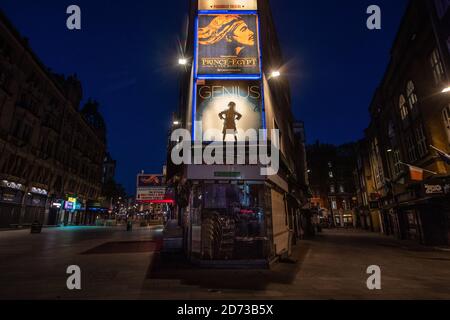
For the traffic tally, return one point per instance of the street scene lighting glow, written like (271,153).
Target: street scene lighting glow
(276,74)
(215,168)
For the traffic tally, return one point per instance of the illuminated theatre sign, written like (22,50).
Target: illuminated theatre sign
(229,108)
(228,44)
(227,5)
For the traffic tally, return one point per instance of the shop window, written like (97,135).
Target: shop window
(232,221)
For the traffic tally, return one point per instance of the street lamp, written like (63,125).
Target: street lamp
(275,74)
(446,90)
(176,123)
(182,61)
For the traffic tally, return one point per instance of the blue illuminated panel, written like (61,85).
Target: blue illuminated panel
(225,76)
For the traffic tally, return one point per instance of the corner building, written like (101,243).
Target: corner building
(231,213)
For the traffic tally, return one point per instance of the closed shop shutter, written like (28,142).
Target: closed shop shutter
(279,221)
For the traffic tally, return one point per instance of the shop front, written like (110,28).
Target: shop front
(234,216)
(35,202)
(425,216)
(95,210)
(74,209)
(228,221)
(11,195)
(55,211)
(364,218)
(370,217)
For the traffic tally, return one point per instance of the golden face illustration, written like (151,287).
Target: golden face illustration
(243,35)
(231,28)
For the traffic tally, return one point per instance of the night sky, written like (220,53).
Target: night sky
(126,57)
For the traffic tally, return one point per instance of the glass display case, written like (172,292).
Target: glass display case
(228,221)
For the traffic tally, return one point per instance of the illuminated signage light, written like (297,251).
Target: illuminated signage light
(220,50)
(56,205)
(39,191)
(227,5)
(12,185)
(229,77)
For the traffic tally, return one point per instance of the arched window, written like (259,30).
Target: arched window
(411,95)
(402,106)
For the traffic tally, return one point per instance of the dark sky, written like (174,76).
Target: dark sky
(126,57)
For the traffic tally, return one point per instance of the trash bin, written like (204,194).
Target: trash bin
(36,227)
(129,226)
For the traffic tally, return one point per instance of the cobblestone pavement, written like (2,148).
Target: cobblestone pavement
(117,264)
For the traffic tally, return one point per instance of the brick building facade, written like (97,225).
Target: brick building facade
(50,150)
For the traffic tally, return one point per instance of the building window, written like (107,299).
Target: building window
(365,201)
(446,117)
(341,189)
(334,205)
(436,66)
(344,205)
(332,188)
(422,146)
(397,162)
(412,97)
(377,165)
(403,108)
(411,147)
(331,175)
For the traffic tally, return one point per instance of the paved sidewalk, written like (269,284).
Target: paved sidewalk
(117,264)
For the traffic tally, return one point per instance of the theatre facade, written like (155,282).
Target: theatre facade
(231,212)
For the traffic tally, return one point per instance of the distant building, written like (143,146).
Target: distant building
(109,168)
(367,210)
(332,183)
(51,152)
